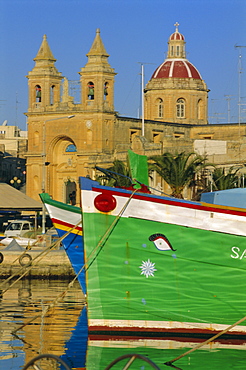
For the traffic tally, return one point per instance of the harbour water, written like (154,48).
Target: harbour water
(62,331)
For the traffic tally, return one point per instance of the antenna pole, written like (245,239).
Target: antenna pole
(228,98)
(239,81)
(142,89)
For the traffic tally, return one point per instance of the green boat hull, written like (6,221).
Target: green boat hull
(201,281)
(157,264)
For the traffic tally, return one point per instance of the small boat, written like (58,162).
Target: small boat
(67,221)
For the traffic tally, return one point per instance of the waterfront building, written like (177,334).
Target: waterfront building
(67,139)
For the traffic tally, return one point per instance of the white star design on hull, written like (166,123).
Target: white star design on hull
(148,268)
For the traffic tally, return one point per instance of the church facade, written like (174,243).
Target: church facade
(67,139)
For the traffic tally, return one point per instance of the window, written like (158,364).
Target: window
(156,137)
(52,94)
(91,90)
(71,148)
(160,108)
(105,90)
(133,133)
(26,227)
(180,108)
(38,93)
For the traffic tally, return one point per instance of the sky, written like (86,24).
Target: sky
(133,32)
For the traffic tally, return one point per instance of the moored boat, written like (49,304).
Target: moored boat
(67,220)
(158,264)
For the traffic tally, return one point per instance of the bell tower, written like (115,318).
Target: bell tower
(97,79)
(44,80)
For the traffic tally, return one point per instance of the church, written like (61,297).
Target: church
(67,139)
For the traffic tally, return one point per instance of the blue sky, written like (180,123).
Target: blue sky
(132,31)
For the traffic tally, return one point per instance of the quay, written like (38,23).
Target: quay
(55,264)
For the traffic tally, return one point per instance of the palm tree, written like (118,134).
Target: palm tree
(178,170)
(222,181)
(117,175)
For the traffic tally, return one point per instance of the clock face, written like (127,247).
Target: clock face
(88,124)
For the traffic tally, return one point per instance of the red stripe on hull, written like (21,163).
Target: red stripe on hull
(65,224)
(114,330)
(215,209)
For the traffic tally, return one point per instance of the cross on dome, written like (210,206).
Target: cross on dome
(176,25)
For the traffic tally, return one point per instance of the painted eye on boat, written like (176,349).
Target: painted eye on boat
(105,203)
(161,242)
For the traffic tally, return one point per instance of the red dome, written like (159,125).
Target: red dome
(176,36)
(176,68)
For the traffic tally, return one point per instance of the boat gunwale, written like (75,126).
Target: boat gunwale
(170,201)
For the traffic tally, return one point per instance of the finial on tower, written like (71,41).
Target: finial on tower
(176,25)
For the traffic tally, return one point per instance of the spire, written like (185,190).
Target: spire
(44,52)
(97,47)
(176,25)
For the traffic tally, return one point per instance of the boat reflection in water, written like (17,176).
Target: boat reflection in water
(99,351)
(63,332)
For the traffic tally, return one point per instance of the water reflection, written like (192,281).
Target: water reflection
(63,332)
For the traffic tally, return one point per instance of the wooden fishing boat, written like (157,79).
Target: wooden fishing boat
(157,264)
(67,220)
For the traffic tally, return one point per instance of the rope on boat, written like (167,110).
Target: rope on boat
(169,363)
(107,233)
(40,256)
(99,245)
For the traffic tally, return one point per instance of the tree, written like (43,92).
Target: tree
(223,180)
(178,170)
(117,175)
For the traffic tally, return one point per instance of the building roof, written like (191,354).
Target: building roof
(176,36)
(13,199)
(177,68)
(97,47)
(176,65)
(44,52)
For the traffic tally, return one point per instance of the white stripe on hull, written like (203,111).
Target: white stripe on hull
(69,217)
(172,214)
(160,325)
(161,344)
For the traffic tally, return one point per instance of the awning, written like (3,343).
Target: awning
(13,199)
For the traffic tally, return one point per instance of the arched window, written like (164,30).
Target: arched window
(71,148)
(105,90)
(38,93)
(52,88)
(180,108)
(90,90)
(160,108)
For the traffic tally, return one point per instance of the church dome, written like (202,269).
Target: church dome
(177,68)
(176,65)
(176,36)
